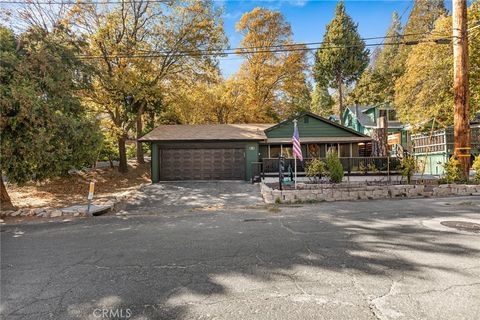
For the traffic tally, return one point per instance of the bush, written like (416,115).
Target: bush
(334,167)
(362,167)
(131,151)
(453,170)
(476,167)
(316,170)
(108,151)
(408,167)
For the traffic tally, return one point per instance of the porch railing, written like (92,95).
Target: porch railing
(365,165)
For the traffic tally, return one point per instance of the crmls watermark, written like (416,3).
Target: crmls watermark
(104,313)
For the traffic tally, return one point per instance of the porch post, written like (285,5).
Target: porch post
(338,149)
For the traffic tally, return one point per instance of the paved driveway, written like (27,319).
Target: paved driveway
(345,260)
(170,197)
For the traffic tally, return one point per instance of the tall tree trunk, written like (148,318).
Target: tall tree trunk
(380,136)
(140,156)
(151,120)
(461,123)
(122,151)
(340,100)
(6,202)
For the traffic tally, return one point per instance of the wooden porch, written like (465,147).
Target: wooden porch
(351,166)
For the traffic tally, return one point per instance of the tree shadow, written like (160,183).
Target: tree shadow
(165,267)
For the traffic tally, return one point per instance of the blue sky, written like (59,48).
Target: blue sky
(309,18)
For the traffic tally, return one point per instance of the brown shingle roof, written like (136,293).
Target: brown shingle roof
(207,132)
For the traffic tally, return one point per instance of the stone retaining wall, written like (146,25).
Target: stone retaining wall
(314,192)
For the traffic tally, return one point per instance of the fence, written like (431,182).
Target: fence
(356,165)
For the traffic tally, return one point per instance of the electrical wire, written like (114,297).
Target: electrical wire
(242,51)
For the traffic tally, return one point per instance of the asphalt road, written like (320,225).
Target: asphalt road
(345,260)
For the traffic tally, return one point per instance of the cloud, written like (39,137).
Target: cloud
(233,15)
(297,3)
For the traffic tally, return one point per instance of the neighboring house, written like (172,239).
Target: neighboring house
(364,119)
(432,150)
(230,151)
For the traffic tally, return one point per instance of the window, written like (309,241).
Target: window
(275,151)
(313,150)
(287,152)
(305,119)
(392,115)
(332,147)
(345,150)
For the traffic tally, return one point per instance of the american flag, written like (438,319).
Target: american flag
(297,150)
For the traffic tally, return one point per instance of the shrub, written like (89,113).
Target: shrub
(108,150)
(362,167)
(372,167)
(131,151)
(476,167)
(334,167)
(453,170)
(316,170)
(408,167)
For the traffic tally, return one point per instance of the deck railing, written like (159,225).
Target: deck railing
(365,165)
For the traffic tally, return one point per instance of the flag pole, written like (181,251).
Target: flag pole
(295,158)
(295,155)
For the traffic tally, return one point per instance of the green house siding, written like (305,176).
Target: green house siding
(432,163)
(154,163)
(308,128)
(350,120)
(251,155)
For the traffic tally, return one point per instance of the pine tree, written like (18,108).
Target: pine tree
(322,101)
(342,56)
(375,85)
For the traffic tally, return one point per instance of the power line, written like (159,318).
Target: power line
(244,50)
(293,44)
(240,52)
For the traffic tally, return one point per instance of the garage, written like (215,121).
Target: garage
(204,152)
(202,163)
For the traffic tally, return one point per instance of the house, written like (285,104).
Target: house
(230,151)
(365,118)
(433,149)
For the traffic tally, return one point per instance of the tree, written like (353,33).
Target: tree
(45,128)
(272,82)
(334,166)
(421,22)
(375,85)
(408,167)
(425,90)
(140,48)
(474,55)
(342,57)
(322,101)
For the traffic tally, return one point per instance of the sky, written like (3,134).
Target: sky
(309,18)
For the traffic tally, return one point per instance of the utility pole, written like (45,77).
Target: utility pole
(460,85)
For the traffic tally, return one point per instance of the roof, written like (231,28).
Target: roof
(310,114)
(362,118)
(200,132)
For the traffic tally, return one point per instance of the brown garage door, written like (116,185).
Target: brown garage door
(202,164)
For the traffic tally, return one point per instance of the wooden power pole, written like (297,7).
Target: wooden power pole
(460,84)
